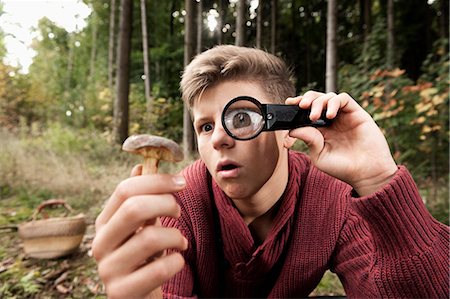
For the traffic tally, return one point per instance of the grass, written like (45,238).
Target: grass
(83,168)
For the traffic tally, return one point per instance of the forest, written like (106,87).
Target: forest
(62,123)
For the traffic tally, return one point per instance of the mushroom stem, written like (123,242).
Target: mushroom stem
(150,165)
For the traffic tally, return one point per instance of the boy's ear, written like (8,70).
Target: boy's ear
(288,141)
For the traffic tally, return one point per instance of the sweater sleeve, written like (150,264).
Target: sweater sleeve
(391,246)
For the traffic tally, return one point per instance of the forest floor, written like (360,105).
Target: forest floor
(73,276)
(82,169)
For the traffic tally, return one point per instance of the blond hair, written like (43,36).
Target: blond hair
(230,63)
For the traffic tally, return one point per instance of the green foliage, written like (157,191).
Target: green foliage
(15,102)
(25,286)
(329,285)
(414,117)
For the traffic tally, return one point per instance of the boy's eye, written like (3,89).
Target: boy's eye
(206,127)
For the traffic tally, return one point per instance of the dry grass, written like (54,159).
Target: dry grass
(82,167)
(33,165)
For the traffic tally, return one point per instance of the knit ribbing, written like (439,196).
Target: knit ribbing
(400,223)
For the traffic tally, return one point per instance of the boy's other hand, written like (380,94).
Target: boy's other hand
(130,243)
(353,149)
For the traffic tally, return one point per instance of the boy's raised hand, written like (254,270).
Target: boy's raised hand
(130,243)
(353,149)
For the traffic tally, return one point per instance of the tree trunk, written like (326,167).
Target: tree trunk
(146,54)
(308,47)
(172,19)
(188,132)
(240,23)
(93,50)
(443,19)
(331,76)
(259,16)
(69,68)
(220,22)
(122,80)
(273,26)
(111,46)
(366,26)
(199,26)
(390,35)
(365,19)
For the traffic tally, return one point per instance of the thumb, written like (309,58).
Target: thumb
(312,138)
(136,171)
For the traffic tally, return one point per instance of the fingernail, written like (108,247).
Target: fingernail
(179,180)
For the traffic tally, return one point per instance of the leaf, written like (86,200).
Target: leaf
(62,289)
(395,73)
(439,99)
(428,92)
(421,107)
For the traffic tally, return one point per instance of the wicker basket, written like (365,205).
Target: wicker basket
(52,237)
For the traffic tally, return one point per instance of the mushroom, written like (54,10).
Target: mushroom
(153,149)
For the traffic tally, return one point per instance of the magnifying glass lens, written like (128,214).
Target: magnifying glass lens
(243,119)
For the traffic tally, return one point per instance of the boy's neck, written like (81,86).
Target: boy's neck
(257,210)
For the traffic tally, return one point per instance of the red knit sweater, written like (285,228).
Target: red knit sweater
(383,245)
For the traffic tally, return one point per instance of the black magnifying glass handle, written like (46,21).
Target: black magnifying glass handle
(286,117)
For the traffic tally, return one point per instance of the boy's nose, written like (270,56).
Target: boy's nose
(220,139)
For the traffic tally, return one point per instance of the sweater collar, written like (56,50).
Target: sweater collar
(238,242)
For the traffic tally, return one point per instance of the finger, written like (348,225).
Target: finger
(312,138)
(131,215)
(319,104)
(293,100)
(146,279)
(145,184)
(137,170)
(347,103)
(308,98)
(149,242)
(333,107)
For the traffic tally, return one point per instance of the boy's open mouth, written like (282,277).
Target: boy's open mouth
(228,170)
(227,166)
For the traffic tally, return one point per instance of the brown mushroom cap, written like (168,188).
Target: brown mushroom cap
(155,147)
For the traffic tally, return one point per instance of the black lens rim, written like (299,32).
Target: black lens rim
(243,98)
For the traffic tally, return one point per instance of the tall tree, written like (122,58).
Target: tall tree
(331,71)
(93,48)
(220,21)
(188,132)
(390,35)
(273,26)
(112,43)
(146,58)
(199,25)
(121,105)
(443,19)
(366,25)
(365,17)
(240,23)
(69,67)
(259,16)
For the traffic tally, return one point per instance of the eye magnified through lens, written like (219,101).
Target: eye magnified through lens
(244,118)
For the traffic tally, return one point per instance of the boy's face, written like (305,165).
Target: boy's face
(240,168)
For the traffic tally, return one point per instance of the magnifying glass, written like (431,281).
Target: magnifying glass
(244,118)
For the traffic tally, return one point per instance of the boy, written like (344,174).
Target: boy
(254,219)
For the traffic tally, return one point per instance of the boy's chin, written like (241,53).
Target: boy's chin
(235,190)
